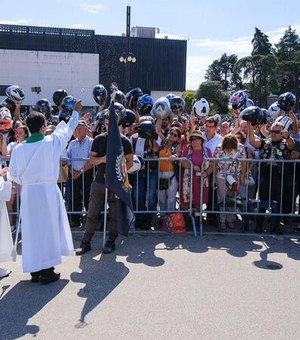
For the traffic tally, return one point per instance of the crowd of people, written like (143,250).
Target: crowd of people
(175,161)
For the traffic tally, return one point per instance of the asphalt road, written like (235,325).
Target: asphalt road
(159,286)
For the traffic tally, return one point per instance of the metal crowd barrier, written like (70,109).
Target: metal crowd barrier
(246,204)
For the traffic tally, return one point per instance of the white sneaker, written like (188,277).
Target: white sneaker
(4,272)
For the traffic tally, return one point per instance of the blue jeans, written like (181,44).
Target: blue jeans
(145,192)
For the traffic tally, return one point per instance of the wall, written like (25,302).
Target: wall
(77,73)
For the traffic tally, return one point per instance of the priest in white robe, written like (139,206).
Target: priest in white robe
(6,243)
(34,164)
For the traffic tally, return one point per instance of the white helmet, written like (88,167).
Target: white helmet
(136,166)
(6,120)
(274,110)
(15,93)
(161,108)
(201,108)
(285,121)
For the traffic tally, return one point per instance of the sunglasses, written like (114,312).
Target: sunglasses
(173,134)
(194,138)
(276,132)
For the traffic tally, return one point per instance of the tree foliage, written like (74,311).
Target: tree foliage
(266,71)
(288,45)
(261,44)
(222,70)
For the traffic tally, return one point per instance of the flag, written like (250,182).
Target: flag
(116,174)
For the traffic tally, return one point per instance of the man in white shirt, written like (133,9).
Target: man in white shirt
(81,170)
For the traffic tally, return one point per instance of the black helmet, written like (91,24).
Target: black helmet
(177,105)
(119,97)
(100,94)
(255,115)
(9,104)
(146,129)
(120,112)
(58,96)
(128,119)
(43,105)
(286,101)
(132,97)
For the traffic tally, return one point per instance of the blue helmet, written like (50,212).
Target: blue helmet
(238,100)
(144,105)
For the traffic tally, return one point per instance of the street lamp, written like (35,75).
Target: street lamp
(127,57)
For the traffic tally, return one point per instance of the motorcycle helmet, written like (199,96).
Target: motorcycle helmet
(9,104)
(161,108)
(274,110)
(15,93)
(132,97)
(144,105)
(177,105)
(128,119)
(201,108)
(58,96)
(137,165)
(43,105)
(286,101)
(170,96)
(6,120)
(119,97)
(238,100)
(68,104)
(100,94)
(146,129)
(285,121)
(255,115)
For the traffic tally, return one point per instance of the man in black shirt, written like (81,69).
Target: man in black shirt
(97,193)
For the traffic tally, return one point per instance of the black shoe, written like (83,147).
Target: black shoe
(84,247)
(109,247)
(45,279)
(35,276)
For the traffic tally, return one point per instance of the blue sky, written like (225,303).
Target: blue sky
(211,27)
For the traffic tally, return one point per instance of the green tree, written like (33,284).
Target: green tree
(261,44)
(258,72)
(288,73)
(213,92)
(189,98)
(222,70)
(288,45)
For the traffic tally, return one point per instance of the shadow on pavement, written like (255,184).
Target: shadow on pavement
(27,300)
(100,277)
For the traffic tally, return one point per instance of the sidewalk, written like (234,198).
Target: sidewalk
(162,286)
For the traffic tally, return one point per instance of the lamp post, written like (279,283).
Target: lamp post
(127,57)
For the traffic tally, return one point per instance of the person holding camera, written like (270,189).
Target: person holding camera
(230,173)
(276,147)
